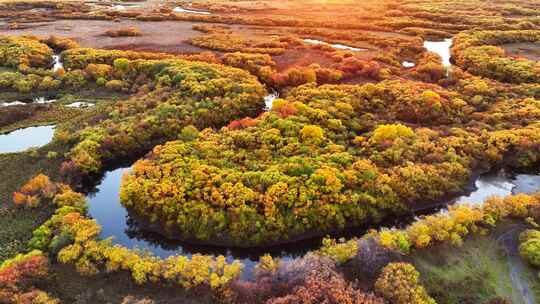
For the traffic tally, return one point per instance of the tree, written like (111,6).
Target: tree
(398,283)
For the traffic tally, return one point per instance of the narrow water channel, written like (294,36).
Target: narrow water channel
(105,207)
(335,45)
(189,11)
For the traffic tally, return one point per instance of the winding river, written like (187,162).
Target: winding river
(105,207)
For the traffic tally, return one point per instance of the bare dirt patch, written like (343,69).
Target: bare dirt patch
(165,36)
(301,57)
(523,49)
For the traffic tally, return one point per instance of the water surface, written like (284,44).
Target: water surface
(23,139)
(116,222)
(80,104)
(12,103)
(105,207)
(57,63)
(189,11)
(407,64)
(269,100)
(486,186)
(335,45)
(442,48)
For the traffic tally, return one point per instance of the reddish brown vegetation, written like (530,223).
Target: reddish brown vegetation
(125,32)
(18,277)
(242,123)
(31,193)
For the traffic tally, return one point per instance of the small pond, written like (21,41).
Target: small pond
(336,45)
(442,48)
(43,100)
(23,139)
(12,103)
(124,6)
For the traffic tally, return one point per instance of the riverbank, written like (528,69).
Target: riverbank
(479,270)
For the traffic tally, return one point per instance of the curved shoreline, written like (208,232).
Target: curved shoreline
(144,225)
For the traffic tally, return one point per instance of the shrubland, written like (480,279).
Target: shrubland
(322,159)
(479,52)
(326,157)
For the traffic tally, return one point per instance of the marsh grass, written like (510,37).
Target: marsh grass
(475,273)
(17,224)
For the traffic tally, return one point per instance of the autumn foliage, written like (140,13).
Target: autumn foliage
(320,288)
(399,283)
(18,277)
(34,190)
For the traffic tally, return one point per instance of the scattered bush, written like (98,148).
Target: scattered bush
(399,284)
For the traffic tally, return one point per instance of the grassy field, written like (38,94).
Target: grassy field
(18,168)
(18,224)
(475,273)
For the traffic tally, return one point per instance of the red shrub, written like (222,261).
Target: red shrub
(242,123)
(321,288)
(23,272)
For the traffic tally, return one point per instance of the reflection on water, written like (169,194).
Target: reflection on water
(498,185)
(189,11)
(336,45)
(43,100)
(125,5)
(57,63)
(37,100)
(105,207)
(442,48)
(486,186)
(407,64)
(269,100)
(23,139)
(526,183)
(80,104)
(13,103)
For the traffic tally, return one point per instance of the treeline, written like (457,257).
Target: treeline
(175,94)
(479,52)
(80,58)
(450,227)
(442,19)
(24,53)
(343,66)
(71,237)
